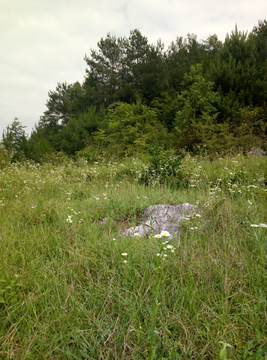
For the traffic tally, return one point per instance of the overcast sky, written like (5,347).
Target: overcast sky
(44,42)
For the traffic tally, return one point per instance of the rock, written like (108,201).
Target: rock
(256,151)
(162,217)
(105,221)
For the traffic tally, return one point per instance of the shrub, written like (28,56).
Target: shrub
(164,168)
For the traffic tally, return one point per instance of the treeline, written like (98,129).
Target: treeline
(199,96)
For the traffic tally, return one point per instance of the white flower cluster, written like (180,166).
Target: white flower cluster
(69,219)
(260,225)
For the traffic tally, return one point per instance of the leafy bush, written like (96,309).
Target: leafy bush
(164,168)
(248,130)
(5,157)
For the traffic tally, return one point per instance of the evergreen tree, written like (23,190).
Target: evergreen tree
(103,79)
(14,136)
(198,98)
(61,104)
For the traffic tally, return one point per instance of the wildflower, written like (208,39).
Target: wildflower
(169,247)
(158,236)
(69,219)
(114,239)
(124,254)
(254,225)
(165,255)
(263,225)
(136,234)
(124,261)
(166,242)
(165,233)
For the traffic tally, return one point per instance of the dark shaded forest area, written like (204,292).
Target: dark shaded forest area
(203,97)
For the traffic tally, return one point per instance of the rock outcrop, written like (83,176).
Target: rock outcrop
(162,217)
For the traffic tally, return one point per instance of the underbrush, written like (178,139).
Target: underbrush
(68,291)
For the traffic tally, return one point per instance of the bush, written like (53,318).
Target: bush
(248,130)
(164,168)
(5,157)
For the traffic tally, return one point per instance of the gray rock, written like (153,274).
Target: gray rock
(256,151)
(162,217)
(105,221)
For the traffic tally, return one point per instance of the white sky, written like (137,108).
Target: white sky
(44,42)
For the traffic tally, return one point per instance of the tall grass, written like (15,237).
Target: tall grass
(66,292)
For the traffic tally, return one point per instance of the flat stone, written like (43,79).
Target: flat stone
(157,218)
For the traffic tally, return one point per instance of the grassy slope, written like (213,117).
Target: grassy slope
(68,294)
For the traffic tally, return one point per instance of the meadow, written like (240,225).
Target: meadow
(71,288)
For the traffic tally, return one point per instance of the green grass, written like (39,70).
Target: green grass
(66,293)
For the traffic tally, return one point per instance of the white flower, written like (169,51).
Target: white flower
(169,247)
(158,236)
(124,261)
(254,225)
(136,234)
(263,225)
(124,254)
(165,233)
(114,239)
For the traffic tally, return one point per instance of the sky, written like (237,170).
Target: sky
(44,42)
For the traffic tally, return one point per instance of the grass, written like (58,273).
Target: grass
(66,292)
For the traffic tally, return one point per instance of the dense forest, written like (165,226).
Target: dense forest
(208,96)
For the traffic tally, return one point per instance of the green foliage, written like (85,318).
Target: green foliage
(190,96)
(14,136)
(5,156)
(76,136)
(132,128)
(248,130)
(164,168)
(166,107)
(66,100)
(38,148)
(10,291)
(90,153)
(193,102)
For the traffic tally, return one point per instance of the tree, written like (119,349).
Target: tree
(123,69)
(181,55)
(234,68)
(260,33)
(14,136)
(199,98)
(66,100)
(103,78)
(143,68)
